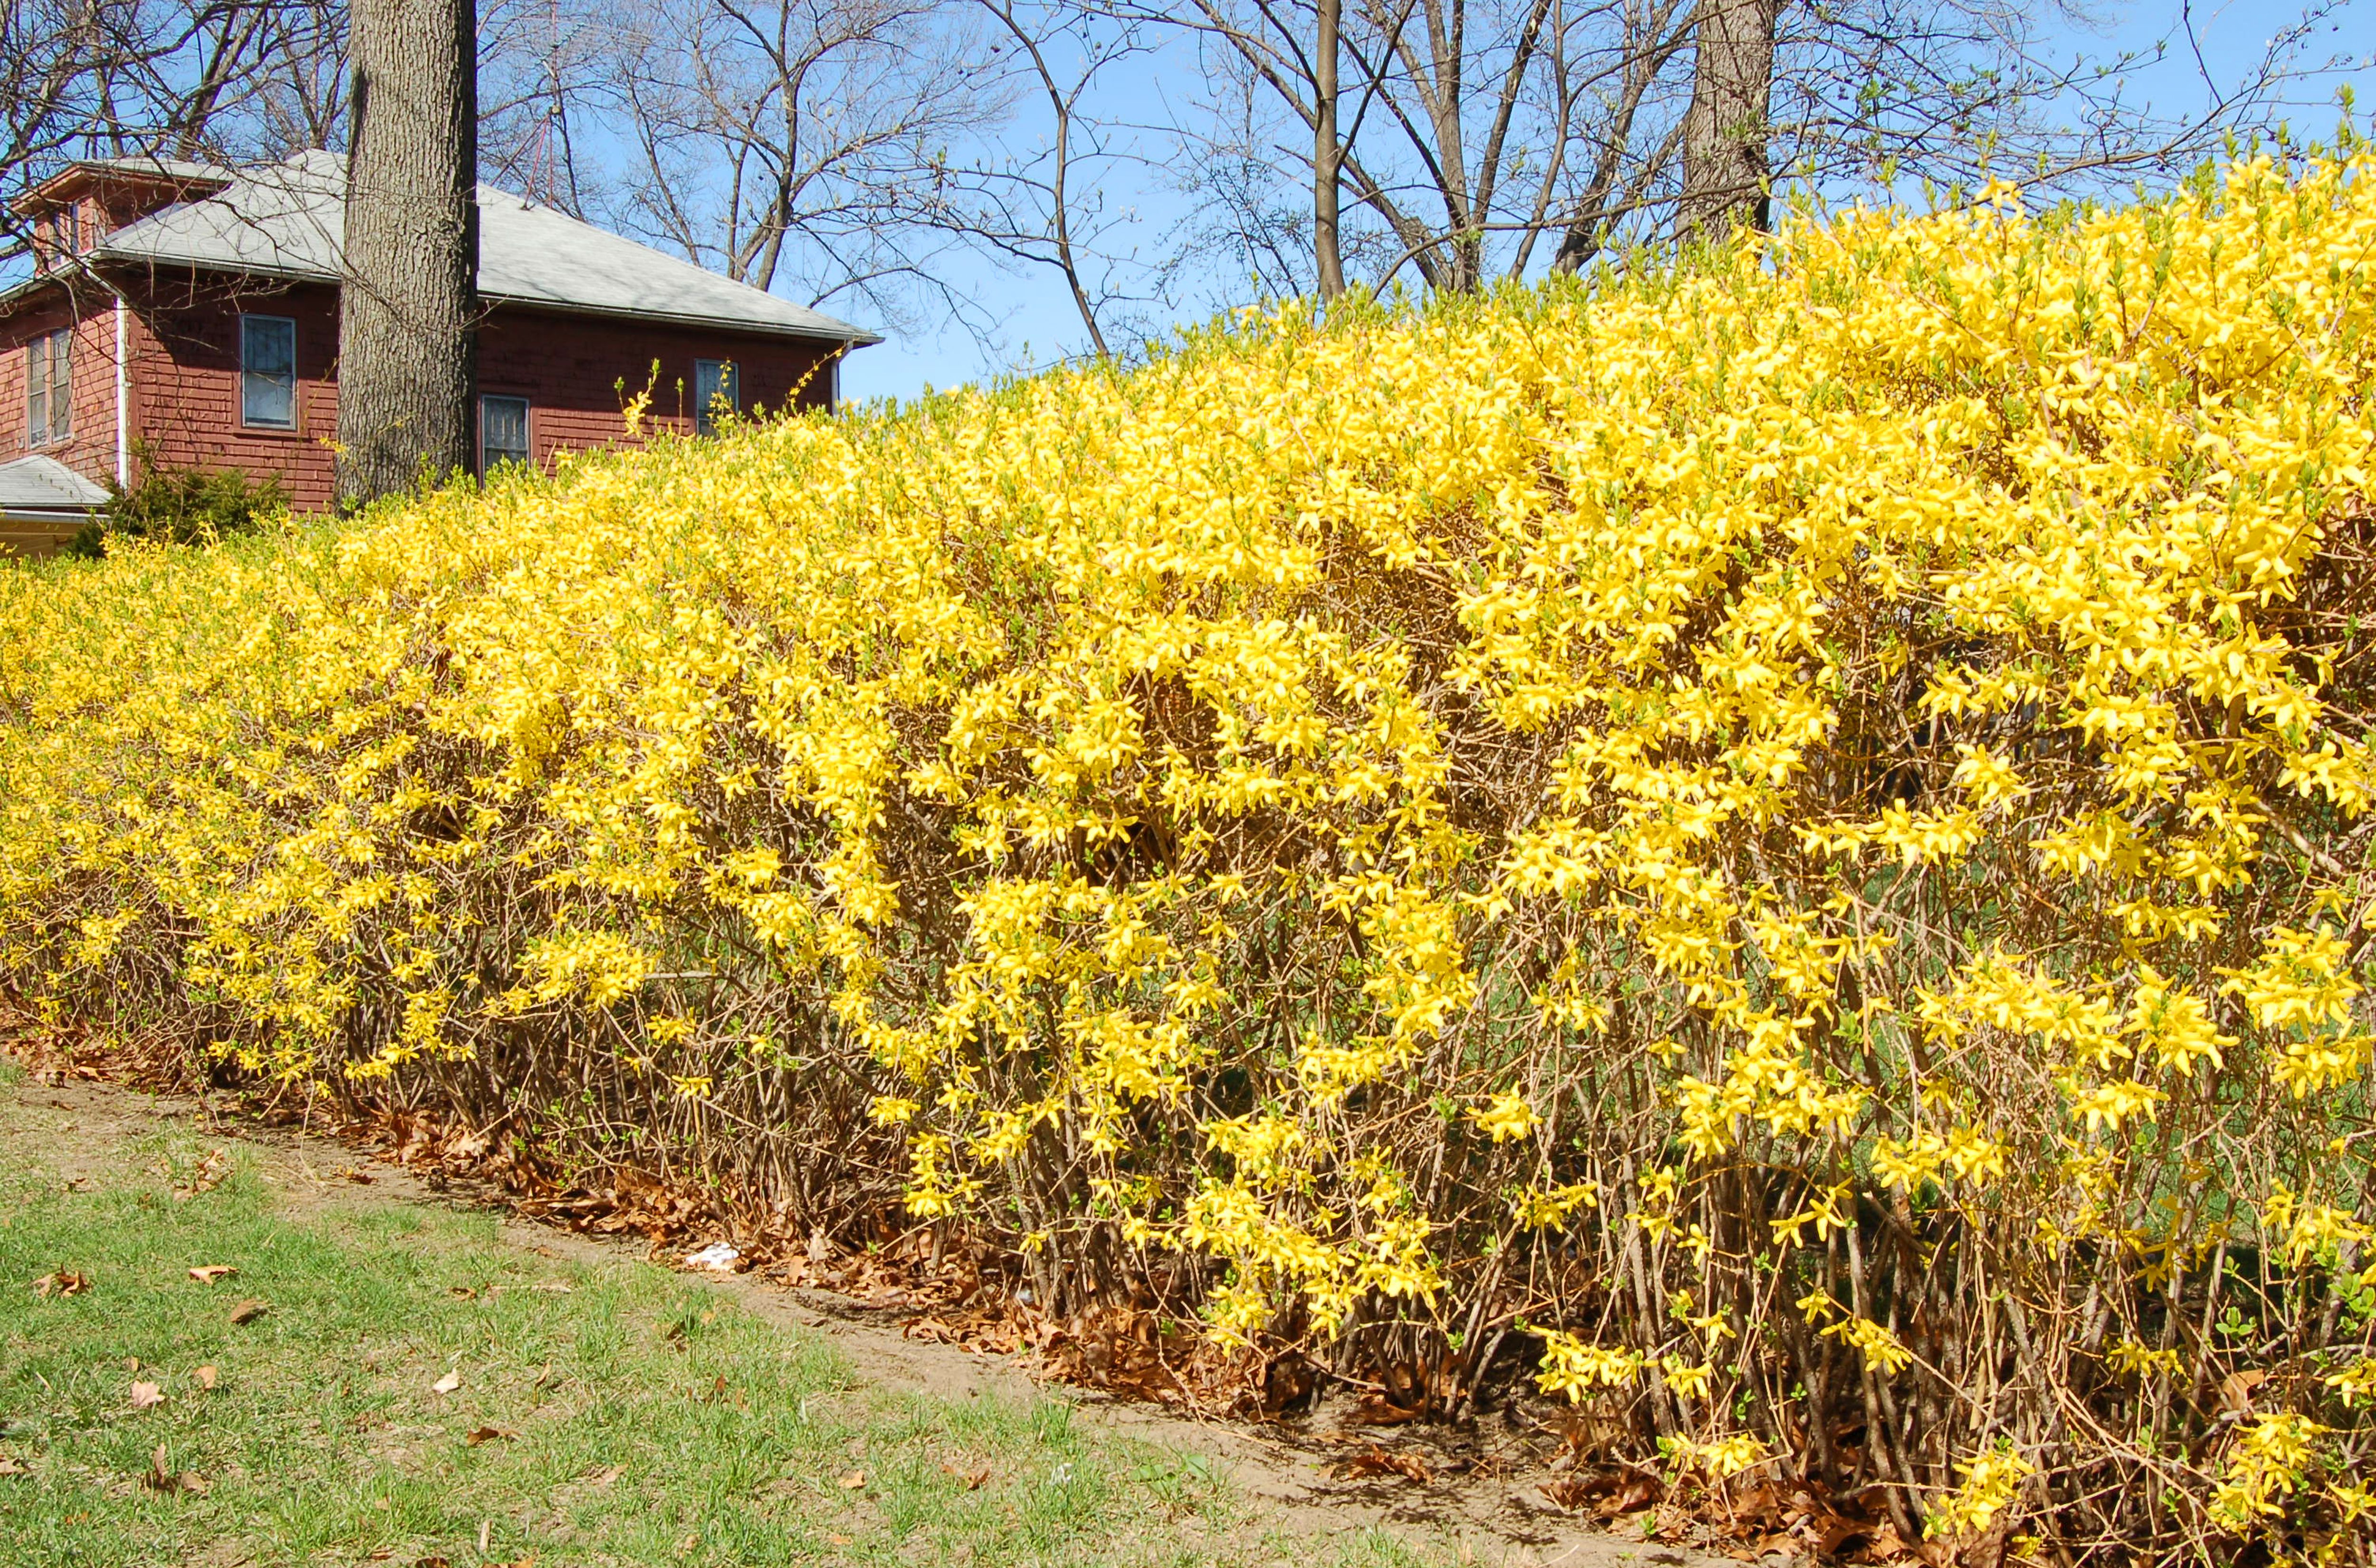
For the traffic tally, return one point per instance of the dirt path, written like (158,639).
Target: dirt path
(73,1129)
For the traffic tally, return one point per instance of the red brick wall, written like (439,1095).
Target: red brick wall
(184,402)
(90,446)
(571,369)
(186,387)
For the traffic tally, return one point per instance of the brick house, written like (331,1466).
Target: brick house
(190,312)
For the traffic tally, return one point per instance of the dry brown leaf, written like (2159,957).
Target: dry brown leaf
(207,1178)
(431,1562)
(1377,1410)
(974,1480)
(248,1311)
(162,1476)
(10,1467)
(605,1475)
(478,1436)
(2236,1390)
(837,1537)
(360,1178)
(145,1395)
(206,1376)
(1379,1462)
(1886,1544)
(65,1282)
(449,1384)
(207,1274)
(853,1480)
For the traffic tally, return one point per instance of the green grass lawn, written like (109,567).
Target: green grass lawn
(621,1414)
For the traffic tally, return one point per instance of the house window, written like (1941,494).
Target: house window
(714,392)
(49,388)
(268,371)
(503,431)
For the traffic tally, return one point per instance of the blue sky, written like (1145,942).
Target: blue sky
(1038,325)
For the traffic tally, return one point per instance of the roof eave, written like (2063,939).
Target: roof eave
(18,293)
(856,337)
(84,173)
(152,260)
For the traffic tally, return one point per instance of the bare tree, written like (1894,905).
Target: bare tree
(1725,181)
(1449,121)
(1327,151)
(408,302)
(1463,131)
(779,139)
(121,78)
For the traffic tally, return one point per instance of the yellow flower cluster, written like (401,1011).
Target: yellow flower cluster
(1832,771)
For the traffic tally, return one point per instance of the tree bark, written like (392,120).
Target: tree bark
(408,302)
(1327,251)
(1725,129)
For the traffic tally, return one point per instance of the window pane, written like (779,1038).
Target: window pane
(268,363)
(713,388)
(37,391)
(503,430)
(61,384)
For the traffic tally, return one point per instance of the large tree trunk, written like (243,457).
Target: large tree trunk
(407,370)
(1725,129)
(1327,158)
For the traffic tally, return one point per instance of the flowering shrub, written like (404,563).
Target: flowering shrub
(1779,845)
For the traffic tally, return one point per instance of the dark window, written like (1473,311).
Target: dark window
(268,371)
(503,431)
(49,388)
(714,393)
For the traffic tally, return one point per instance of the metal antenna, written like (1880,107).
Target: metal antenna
(544,145)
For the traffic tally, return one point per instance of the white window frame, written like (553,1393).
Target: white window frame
(247,374)
(719,374)
(526,454)
(49,361)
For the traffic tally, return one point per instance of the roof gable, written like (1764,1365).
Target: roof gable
(289,220)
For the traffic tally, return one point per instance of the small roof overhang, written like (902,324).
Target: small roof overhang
(181,174)
(42,487)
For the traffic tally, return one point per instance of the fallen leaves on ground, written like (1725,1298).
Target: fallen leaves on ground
(207,1274)
(1382,1462)
(145,1395)
(248,1311)
(65,1282)
(162,1477)
(449,1384)
(853,1480)
(10,1467)
(478,1436)
(207,1377)
(974,1480)
(206,1177)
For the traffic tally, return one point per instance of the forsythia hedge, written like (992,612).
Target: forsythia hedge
(1780,843)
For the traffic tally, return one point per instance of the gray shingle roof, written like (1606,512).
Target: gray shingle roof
(289,220)
(42,486)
